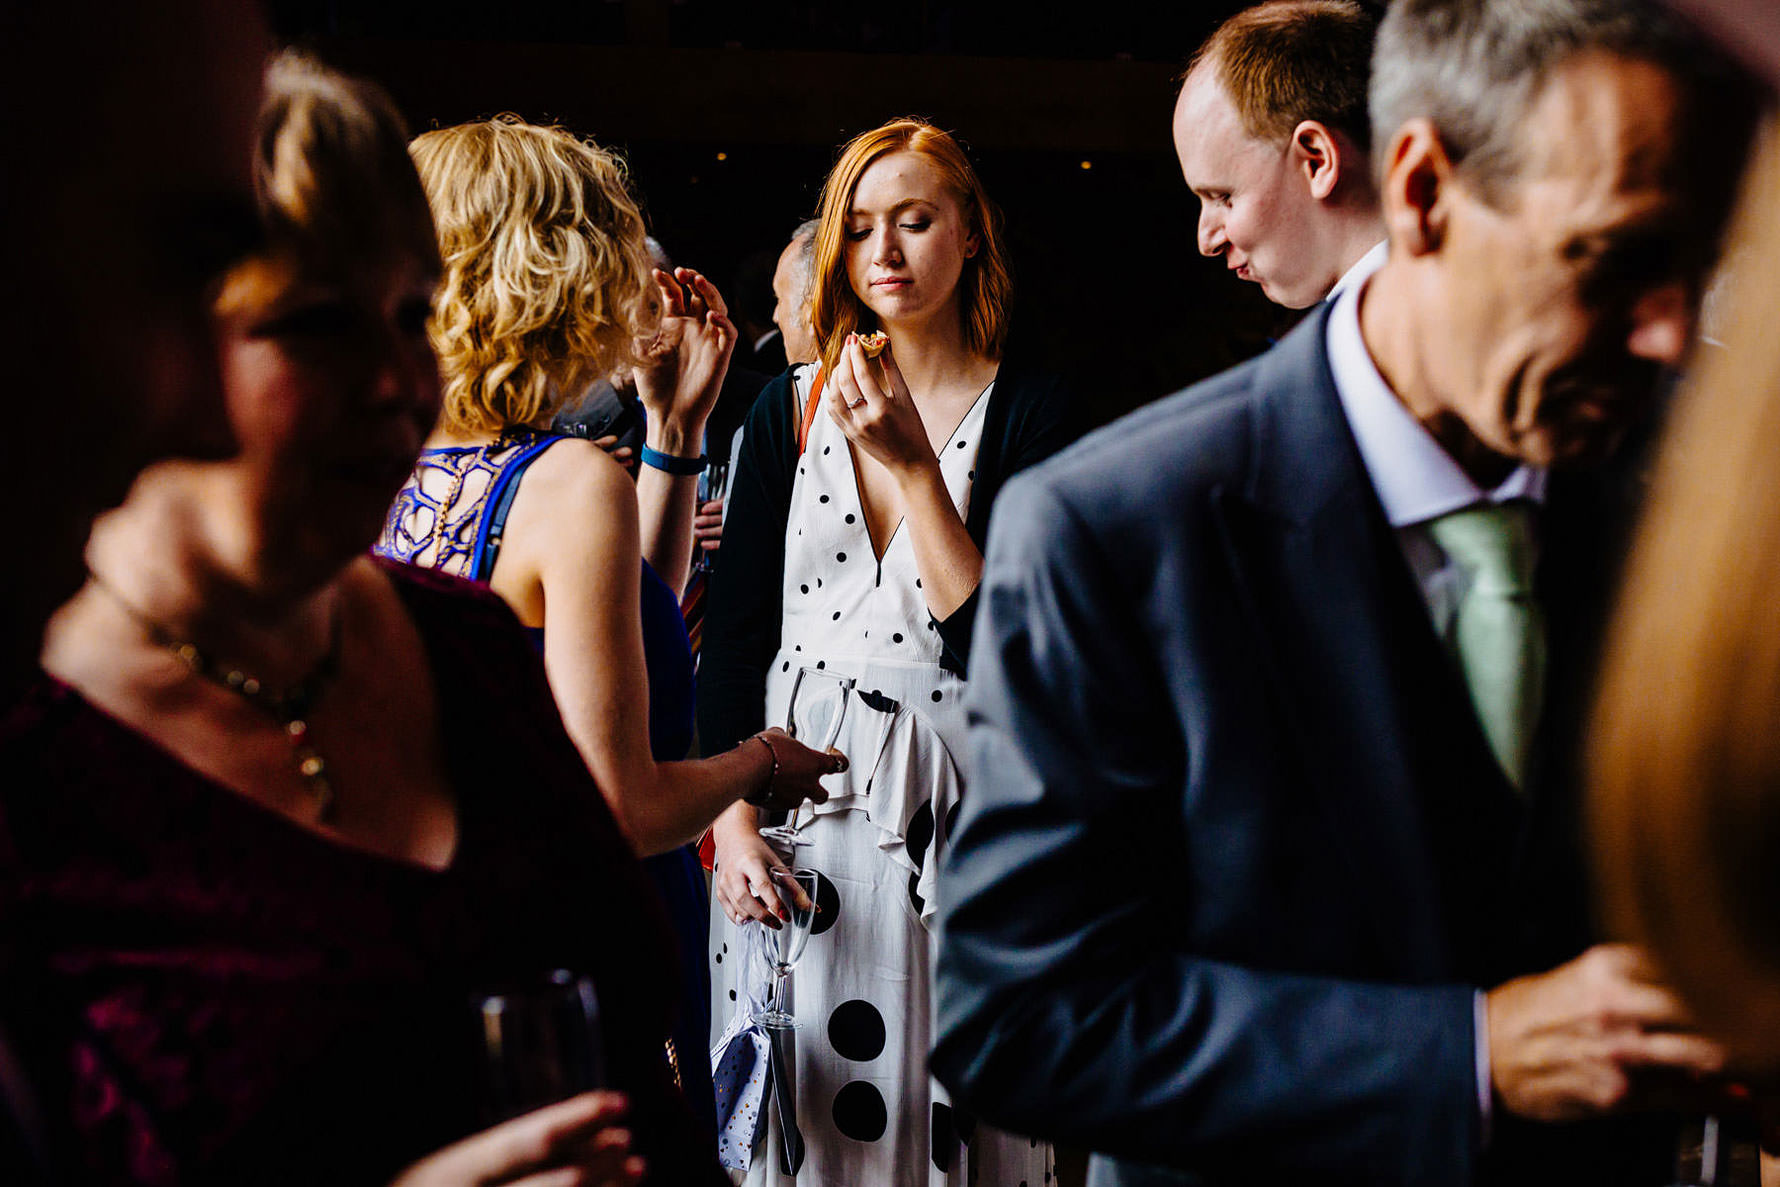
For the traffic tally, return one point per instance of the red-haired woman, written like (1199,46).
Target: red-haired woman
(866,483)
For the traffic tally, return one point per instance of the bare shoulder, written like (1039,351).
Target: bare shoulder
(575,473)
(576,508)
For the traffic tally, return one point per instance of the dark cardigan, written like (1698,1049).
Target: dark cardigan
(1028,419)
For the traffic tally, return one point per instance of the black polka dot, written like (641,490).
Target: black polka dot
(786,667)
(726,946)
(920,833)
(841,557)
(837,616)
(962,444)
(801,470)
(825,450)
(797,647)
(945,1139)
(917,583)
(849,517)
(935,694)
(720,958)
(818,583)
(822,499)
(856,1031)
(972,475)
(897,637)
(859,1112)
(732,995)
(821,663)
(828,906)
(804,588)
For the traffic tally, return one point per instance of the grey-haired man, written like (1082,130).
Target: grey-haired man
(1267,872)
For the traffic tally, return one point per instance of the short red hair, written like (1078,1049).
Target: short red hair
(985,286)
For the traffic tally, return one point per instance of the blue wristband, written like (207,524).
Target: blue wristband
(670,464)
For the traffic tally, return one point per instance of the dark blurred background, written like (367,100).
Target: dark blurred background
(732,111)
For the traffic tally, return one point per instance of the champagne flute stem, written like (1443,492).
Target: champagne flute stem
(779,978)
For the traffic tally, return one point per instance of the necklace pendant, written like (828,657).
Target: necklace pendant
(324,798)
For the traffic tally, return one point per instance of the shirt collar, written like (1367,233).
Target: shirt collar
(1415,479)
(1362,269)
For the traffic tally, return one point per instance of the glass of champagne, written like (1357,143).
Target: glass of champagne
(819,700)
(790,940)
(540,1044)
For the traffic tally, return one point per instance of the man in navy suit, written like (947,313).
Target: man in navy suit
(1267,870)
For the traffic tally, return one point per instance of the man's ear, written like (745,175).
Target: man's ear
(1318,157)
(1418,189)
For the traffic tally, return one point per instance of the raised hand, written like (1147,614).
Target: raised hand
(870,402)
(683,367)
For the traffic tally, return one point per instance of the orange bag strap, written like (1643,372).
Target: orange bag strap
(809,411)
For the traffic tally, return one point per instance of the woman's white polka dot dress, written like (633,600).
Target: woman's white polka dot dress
(867,1109)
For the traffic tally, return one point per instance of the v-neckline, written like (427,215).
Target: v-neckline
(878,555)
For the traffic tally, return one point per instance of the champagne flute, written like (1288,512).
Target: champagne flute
(790,941)
(713,483)
(819,700)
(540,1044)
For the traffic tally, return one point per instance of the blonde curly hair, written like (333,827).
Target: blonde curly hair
(547,279)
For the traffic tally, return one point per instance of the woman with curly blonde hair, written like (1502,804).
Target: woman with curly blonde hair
(547,287)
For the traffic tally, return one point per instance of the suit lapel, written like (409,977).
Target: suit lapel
(1393,758)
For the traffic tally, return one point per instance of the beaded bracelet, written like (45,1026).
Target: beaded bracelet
(765,794)
(671,464)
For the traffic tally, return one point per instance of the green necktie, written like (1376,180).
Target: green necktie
(1497,632)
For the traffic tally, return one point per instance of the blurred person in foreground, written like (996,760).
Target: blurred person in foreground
(1685,760)
(547,281)
(1271,131)
(284,809)
(1269,869)
(853,552)
(118,232)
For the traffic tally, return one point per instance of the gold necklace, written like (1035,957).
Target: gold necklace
(288,707)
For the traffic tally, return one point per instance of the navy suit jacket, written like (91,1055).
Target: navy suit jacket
(1234,855)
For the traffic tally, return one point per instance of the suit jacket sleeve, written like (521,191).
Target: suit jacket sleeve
(1070,1003)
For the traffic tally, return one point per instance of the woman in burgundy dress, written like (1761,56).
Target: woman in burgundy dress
(281,811)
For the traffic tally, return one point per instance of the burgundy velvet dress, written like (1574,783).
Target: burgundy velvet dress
(201,991)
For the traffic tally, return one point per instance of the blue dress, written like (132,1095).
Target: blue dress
(461,534)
